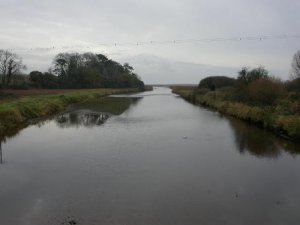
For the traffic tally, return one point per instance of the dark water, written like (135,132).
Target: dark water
(162,161)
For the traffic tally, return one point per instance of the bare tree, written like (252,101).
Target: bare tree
(296,65)
(10,65)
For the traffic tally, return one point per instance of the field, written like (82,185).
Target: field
(29,92)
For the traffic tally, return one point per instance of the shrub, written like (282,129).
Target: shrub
(216,82)
(43,80)
(265,91)
(293,85)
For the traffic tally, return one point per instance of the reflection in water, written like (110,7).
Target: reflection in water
(87,114)
(95,113)
(11,132)
(259,142)
(81,118)
(139,170)
(99,111)
(111,105)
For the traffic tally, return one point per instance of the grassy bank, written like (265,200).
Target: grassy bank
(14,114)
(276,118)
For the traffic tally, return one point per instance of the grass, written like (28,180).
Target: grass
(15,113)
(275,119)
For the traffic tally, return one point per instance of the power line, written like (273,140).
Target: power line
(161,42)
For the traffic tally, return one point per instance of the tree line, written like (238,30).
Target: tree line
(255,86)
(69,70)
(252,86)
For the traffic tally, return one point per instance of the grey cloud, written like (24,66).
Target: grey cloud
(33,23)
(160,70)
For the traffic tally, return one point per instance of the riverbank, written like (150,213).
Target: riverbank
(16,112)
(272,118)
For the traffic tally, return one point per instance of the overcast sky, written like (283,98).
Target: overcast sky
(85,25)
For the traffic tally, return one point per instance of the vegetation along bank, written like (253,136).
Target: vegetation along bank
(254,96)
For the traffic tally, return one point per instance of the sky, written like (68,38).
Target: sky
(38,30)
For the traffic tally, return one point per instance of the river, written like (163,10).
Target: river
(160,161)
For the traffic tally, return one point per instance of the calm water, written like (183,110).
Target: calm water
(162,161)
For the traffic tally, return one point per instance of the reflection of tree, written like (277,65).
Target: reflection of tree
(111,105)
(259,142)
(95,113)
(5,135)
(9,132)
(81,118)
(135,101)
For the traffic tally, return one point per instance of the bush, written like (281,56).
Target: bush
(293,85)
(265,91)
(43,80)
(216,82)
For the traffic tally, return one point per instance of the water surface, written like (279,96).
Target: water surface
(158,161)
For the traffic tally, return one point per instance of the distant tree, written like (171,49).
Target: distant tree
(43,80)
(50,81)
(128,68)
(36,78)
(296,65)
(10,65)
(246,76)
(90,70)
(61,64)
(215,82)
(102,58)
(242,75)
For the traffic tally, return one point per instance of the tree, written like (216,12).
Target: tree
(61,64)
(43,80)
(36,78)
(102,58)
(10,65)
(128,68)
(91,70)
(242,74)
(296,65)
(246,77)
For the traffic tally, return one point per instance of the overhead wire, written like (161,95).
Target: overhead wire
(158,42)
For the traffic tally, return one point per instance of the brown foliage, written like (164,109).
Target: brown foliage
(266,90)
